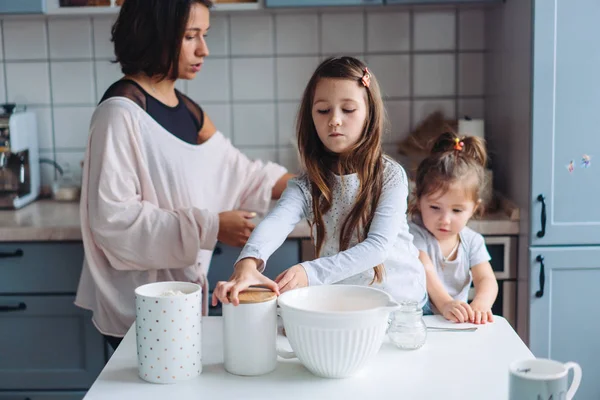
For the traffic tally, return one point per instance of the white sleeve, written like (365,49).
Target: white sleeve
(133,233)
(419,236)
(478,252)
(272,231)
(384,229)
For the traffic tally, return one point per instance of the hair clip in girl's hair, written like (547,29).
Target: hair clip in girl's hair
(458,144)
(366,78)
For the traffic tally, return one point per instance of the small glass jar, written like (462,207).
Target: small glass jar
(407,329)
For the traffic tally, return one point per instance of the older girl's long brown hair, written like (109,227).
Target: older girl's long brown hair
(365,158)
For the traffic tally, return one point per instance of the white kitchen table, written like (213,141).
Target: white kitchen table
(451,365)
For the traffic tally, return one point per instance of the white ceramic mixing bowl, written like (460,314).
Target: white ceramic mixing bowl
(335,329)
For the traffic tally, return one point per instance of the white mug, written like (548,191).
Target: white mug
(543,379)
(250,338)
(168,331)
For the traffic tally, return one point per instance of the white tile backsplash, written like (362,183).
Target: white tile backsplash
(290,159)
(292,75)
(47,171)
(254,125)
(253,79)
(474,108)
(259,64)
(106,74)
(342,33)
(393,74)
(263,154)
(388,32)
(1,45)
(72,82)
(220,115)
(471,74)
(297,34)
(71,127)
(25,40)
(28,83)
(70,38)
(422,108)
(45,130)
(252,35)
(286,123)
(103,47)
(434,75)
(434,30)
(212,83)
(398,114)
(2,85)
(70,161)
(471,30)
(217,37)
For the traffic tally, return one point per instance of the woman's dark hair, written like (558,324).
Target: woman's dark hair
(148,35)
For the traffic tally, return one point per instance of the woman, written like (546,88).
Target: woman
(159,181)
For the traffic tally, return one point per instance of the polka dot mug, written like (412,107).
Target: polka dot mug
(168,331)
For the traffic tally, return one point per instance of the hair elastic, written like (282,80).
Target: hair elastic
(366,78)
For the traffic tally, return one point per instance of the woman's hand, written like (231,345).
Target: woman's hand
(292,278)
(457,311)
(235,227)
(482,314)
(245,274)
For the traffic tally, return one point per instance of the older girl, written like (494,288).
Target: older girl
(354,197)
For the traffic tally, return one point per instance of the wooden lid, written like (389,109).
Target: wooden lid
(256,295)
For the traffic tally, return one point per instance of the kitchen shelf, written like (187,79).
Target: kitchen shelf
(53,8)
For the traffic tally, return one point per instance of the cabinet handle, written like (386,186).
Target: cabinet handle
(16,253)
(19,307)
(540,259)
(541,233)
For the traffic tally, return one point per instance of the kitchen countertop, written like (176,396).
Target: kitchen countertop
(47,220)
(451,365)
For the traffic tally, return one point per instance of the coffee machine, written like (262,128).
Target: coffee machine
(19,157)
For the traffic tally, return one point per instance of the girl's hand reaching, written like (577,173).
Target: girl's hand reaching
(457,311)
(482,314)
(245,274)
(292,278)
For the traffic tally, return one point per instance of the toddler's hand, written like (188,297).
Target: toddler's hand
(482,314)
(458,311)
(292,278)
(245,274)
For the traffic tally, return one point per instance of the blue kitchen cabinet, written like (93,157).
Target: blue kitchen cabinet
(22,6)
(564,234)
(47,343)
(59,395)
(416,2)
(566,99)
(320,3)
(40,267)
(564,309)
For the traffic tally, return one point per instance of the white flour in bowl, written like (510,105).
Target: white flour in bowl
(171,293)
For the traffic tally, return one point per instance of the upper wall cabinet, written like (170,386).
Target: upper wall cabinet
(22,6)
(320,3)
(440,1)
